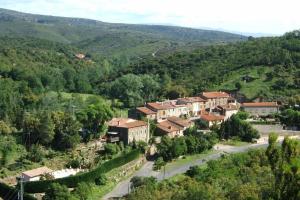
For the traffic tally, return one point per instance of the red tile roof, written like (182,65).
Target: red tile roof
(191,99)
(126,123)
(228,107)
(161,105)
(178,121)
(168,127)
(135,124)
(146,110)
(37,172)
(213,95)
(260,104)
(211,117)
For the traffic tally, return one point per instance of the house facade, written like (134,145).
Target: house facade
(214,99)
(194,105)
(227,111)
(173,127)
(35,174)
(260,108)
(212,119)
(127,130)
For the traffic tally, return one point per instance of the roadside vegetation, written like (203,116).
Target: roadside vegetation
(257,174)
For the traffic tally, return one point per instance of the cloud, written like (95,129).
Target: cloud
(268,16)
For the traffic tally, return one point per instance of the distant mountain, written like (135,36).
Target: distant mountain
(109,38)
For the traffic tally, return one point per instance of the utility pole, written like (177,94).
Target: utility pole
(21,189)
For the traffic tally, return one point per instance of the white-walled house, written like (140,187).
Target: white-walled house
(35,174)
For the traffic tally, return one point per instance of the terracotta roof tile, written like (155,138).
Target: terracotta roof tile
(146,110)
(212,95)
(260,104)
(211,117)
(160,105)
(168,126)
(126,123)
(191,99)
(37,172)
(180,122)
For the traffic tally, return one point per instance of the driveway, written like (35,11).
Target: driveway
(123,187)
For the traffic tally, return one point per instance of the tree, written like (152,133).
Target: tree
(238,86)
(159,163)
(111,149)
(46,129)
(129,89)
(66,131)
(237,127)
(5,128)
(285,165)
(82,191)
(36,153)
(58,192)
(164,147)
(94,118)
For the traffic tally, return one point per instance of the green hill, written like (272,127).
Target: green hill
(270,66)
(108,39)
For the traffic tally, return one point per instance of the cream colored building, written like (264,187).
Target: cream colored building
(214,99)
(35,174)
(194,105)
(167,109)
(260,108)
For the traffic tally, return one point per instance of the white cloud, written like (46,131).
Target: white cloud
(268,16)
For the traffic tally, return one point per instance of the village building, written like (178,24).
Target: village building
(35,174)
(144,112)
(173,127)
(127,130)
(194,105)
(212,119)
(167,109)
(260,108)
(214,99)
(227,111)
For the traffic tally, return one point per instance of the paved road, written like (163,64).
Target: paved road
(147,169)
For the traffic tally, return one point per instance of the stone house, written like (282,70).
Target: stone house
(212,119)
(227,111)
(173,126)
(127,130)
(214,99)
(194,105)
(260,108)
(167,109)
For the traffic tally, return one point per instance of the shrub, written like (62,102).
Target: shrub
(159,163)
(72,181)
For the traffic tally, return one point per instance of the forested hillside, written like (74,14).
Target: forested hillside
(263,67)
(109,39)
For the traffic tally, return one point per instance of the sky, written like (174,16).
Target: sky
(273,17)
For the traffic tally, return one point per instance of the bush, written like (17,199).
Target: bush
(101,180)
(159,163)
(75,163)
(36,153)
(72,181)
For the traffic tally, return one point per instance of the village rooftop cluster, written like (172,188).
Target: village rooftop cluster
(172,117)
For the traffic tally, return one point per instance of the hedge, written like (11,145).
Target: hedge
(72,181)
(7,192)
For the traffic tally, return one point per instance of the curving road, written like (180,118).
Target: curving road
(146,170)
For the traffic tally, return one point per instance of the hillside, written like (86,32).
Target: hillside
(270,65)
(107,38)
